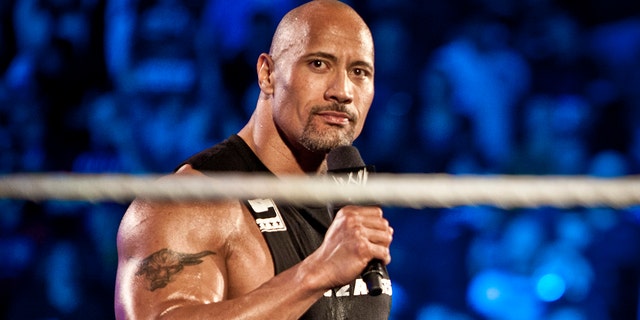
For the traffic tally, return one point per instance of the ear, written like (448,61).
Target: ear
(264,68)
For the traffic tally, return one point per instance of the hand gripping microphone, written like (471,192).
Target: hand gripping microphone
(346,166)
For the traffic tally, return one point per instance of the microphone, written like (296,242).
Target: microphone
(347,167)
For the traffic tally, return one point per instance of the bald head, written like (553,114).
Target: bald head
(302,22)
(317,82)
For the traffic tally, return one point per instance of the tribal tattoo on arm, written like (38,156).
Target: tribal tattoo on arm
(159,268)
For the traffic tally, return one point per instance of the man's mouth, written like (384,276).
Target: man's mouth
(335,117)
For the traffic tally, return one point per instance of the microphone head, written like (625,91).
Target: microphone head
(344,157)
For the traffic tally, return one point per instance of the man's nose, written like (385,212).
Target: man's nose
(340,89)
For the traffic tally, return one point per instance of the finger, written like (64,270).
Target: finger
(376,223)
(380,236)
(380,252)
(370,217)
(367,211)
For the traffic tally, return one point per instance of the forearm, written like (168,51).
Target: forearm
(286,296)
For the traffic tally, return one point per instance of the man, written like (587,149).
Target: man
(215,259)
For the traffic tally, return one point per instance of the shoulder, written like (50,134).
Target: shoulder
(231,155)
(184,225)
(205,251)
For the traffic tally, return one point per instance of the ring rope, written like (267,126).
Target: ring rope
(398,190)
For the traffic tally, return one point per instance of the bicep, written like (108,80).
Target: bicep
(165,262)
(145,290)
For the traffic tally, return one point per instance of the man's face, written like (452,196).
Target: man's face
(323,86)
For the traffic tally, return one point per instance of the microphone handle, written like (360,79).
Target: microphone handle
(372,276)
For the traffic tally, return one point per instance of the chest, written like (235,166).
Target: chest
(293,233)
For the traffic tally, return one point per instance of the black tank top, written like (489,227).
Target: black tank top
(294,232)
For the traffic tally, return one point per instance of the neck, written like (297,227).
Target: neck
(279,155)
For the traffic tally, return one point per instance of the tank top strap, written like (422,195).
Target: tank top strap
(275,232)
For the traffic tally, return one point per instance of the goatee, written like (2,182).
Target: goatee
(322,141)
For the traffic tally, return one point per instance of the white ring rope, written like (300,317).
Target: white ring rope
(400,190)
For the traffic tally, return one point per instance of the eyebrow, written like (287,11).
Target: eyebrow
(333,58)
(323,55)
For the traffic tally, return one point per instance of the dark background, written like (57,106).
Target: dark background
(463,87)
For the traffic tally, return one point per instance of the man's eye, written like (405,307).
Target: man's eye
(317,63)
(360,72)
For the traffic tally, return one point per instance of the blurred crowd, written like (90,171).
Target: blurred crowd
(544,87)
